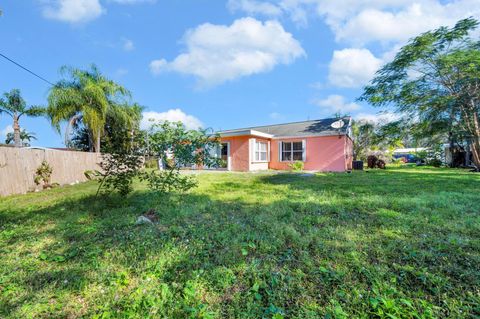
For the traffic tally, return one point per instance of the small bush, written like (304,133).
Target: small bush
(168,181)
(398,161)
(118,172)
(381,164)
(151,163)
(435,162)
(372,161)
(43,175)
(296,166)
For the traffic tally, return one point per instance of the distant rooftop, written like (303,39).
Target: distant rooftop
(321,127)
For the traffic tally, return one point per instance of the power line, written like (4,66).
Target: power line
(31,72)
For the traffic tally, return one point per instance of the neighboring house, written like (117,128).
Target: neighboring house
(323,145)
(407,154)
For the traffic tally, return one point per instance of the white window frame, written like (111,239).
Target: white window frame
(257,151)
(280,151)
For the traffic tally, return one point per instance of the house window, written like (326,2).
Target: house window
(261,151)
(292,151)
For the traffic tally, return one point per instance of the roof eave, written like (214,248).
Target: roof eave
(245,132)
(309,135)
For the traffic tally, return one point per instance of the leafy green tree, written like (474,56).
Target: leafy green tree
(15,106)
(435,82)
(122,158)
(121,123)
(178,147)
(371,137)
(363,137)
(25,137)
(86,96)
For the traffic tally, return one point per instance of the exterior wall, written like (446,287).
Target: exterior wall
(18,166)
(259,166)
(348,153)
(263,166)
(239,152)
(323,153)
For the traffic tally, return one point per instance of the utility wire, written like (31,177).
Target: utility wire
(31,72)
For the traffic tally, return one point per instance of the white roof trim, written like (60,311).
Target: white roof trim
(245,132)
(303,136)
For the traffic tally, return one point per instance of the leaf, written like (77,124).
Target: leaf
(374,302)
(323,269)
(59,258)
(244,252)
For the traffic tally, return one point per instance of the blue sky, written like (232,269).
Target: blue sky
(221,64)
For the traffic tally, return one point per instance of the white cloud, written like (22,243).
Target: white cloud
(172,115)
(157,66)
(373,24)
(253,7)
(351,68)
(380,118)
(362,21)
(6,130)
(336,103)
(127,44)
(219,53)
(73,11)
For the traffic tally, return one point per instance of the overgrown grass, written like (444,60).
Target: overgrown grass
(400,243)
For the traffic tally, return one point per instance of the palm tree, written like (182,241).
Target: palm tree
(25,137)
(15,106)
(86,96)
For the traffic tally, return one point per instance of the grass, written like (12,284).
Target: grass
(400,243)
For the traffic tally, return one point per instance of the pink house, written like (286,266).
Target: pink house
(323,145)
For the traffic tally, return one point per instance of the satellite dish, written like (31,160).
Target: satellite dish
(338,124)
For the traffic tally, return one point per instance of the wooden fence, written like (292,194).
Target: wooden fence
(18,165)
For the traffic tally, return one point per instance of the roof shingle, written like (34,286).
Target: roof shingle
(321,127)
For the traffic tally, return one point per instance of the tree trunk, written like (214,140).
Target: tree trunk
(90,141)
(475,145)
(467,154)
(451,145)
(476,153)
(97,143)
(16,131)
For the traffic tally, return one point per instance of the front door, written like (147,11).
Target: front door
(225,156)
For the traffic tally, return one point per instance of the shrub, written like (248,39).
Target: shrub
(118,172)
(435,162)
(381,164)
(178,147)
(151,163)
(296,166)
(372,161)
(435,156)
(43,175)
(168,181)
(398,161)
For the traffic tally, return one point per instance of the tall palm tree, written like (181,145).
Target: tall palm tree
(86,96)
(25,137)
(15,106)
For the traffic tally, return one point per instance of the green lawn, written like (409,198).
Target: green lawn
(400,243)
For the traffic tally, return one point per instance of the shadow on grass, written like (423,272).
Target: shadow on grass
(314,245)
